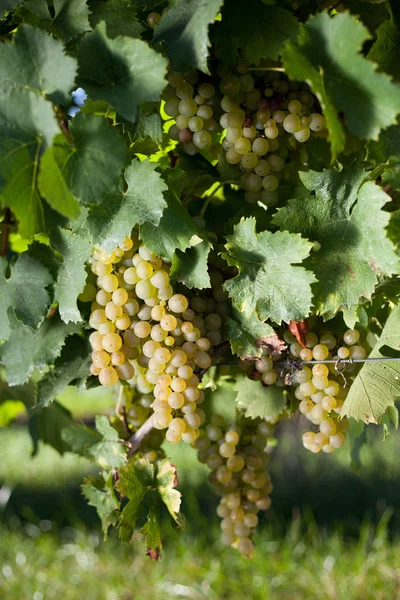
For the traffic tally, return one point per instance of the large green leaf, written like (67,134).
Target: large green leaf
(92,162)
(267,281)
(327,55)
(27,350)
(23,292)
(348,224)
(47,425)
(377,385)
(257,400)
(258,31)
(119,16)
(246,334)
(176,230)
(109,453)
(140,201)
(36,61)
(386,49)
(67,19)
(71,278)
(184,31)
(27,126)
(125,72)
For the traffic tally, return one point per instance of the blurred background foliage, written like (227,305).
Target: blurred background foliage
(332,531)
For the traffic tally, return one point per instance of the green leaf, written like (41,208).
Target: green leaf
(140,201)
(8,6)
(191,267)
(129,486)
(348,225)
(9,410)
(30,302)
(267,281)
(69,19)
(378,383)
(109,453)
(53,187)
(386,49)
(147,134)
(166,482)
(258,31)
(193,175)
(246,334)
(176,230)
(151,531)
(118,71)
(75,251)
(47,424)
(257,400)
(328,57)
(144,471)
(73,363)
(26,128)
(119,16)
(27,350)
(386,147)
(92,163)
(79,438)
(184,31)
(104,501)
(36,61)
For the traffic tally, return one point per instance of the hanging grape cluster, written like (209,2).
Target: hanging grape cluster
(262,118)
(238,457)
(152,338)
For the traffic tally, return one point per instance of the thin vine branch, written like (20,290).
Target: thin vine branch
(136,440)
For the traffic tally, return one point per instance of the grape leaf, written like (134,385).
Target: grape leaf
(118,71)
(377,385)
(92,163)
(371,14)
(184,31)
(176,229)
(387,146)
(129,486)
(104,501)
(267,281)
(69,19)
(328,57)
(244,332)
(109,453)
(347,222)
(27,350)
(23,292)
(37,62)
(386,49)
(47,425)
(53,187)
(191,267)
(8,6)
(119,16)
(166,481)
(75,251)
(147,134)
(26,128)
(151,531)
(80,438)
(73,363)
(258,31)
(140,201)
(257,400)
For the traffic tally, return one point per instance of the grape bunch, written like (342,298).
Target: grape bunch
(152,338)
(238,456)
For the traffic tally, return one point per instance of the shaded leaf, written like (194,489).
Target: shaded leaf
(244,332)
(70,18)
(257,400)
(109,453)
(119,16)
(191,267)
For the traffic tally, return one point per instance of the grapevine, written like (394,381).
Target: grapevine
(218,213)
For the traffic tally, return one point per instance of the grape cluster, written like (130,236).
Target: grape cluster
(193,111)
(320,387)
(152,338)
(238,457)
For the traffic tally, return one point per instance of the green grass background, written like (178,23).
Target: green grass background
(332,533)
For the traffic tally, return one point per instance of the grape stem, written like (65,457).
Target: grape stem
(136,440)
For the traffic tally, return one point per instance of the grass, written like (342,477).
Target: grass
(331,534)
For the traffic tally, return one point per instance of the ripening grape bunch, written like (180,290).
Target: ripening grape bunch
(238,456)
(320,388)
(152,338)
(261,117)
